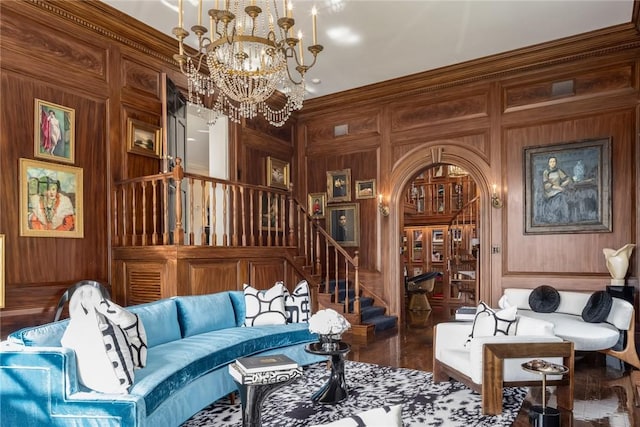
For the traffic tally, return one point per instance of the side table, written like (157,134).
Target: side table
(544,416)
(335,389)
(255,387)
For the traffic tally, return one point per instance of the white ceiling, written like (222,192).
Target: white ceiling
(368,41)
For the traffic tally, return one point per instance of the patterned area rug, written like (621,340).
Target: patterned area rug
(424,403)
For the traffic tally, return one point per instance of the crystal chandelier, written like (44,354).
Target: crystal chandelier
(246,58)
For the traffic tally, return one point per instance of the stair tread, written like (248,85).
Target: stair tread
(382,322)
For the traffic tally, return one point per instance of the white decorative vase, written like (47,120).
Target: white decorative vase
(618,263)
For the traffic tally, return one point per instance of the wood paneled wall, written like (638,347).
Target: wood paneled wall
(109,68)
(481,115)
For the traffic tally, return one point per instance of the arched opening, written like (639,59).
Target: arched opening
(440,247)
(410,165)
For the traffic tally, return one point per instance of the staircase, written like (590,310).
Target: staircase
(372,316)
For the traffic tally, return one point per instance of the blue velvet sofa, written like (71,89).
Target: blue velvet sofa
(191,340)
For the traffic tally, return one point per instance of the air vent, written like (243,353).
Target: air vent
(341,130)
(564,88)
(143,286)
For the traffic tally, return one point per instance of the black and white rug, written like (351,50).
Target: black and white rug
(424,403)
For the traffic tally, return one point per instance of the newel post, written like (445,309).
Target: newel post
(291,236)
(178,175)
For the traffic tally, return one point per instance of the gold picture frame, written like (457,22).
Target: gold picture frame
(50,200)
(2,270)
(339,185)
(54,132)
(277,173)
(366,189)
(317,204)
(144,138)
(343,223)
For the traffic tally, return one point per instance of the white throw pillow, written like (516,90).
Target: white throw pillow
(264,307)
(297,304)
(489,322)
(387,416)
(104,356)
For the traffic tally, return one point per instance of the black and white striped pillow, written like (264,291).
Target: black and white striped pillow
(264,307)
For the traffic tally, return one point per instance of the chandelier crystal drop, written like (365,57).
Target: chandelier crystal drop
(248,53)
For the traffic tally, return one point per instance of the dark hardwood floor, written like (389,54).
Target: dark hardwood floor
(603,393)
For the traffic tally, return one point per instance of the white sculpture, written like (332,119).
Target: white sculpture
(618,262)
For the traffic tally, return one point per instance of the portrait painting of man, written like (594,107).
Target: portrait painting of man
(344,223)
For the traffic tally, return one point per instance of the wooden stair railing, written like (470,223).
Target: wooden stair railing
(208,211)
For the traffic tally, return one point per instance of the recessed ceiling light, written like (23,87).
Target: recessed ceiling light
(316,81)
(343,36)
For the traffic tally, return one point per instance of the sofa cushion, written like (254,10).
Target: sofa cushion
(264,307)
(205,313)
(527,326)
(297,304)
(586,336)
(239,307)
(544,299)
(489,322)
(598,307)
(47,335)
(160,320)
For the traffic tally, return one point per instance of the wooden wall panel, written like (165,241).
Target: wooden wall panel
(139,77)
(207,276)
(409,115)
(263,273)
(569,254)
(599,82)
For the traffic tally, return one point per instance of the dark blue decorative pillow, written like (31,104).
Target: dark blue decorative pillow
(544,299)
(598,307)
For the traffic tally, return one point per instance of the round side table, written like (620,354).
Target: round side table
(544,416)
(335,389)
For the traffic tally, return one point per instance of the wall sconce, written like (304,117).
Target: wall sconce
(496,201)
(384,209)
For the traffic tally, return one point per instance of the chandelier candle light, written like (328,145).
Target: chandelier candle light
(245,58)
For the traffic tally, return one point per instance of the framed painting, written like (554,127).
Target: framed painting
(50,200)
(277,173)
(343,223)
(339,185)
(144,138)
(54,132)
(2,273)
(366,189)
(317,204)
(568,187)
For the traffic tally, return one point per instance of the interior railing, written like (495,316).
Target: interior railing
(178,208)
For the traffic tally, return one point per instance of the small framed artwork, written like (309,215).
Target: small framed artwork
(366,189)
(144,138)
(437,236)
(2,273)
(343,223)
(277,173)
(339,185)
(317,203)
(54,132)
(567,187)
(50,200)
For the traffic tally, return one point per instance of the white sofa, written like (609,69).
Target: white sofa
(568,322)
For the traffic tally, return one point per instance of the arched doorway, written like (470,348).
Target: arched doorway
(420,158)
(440,228)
